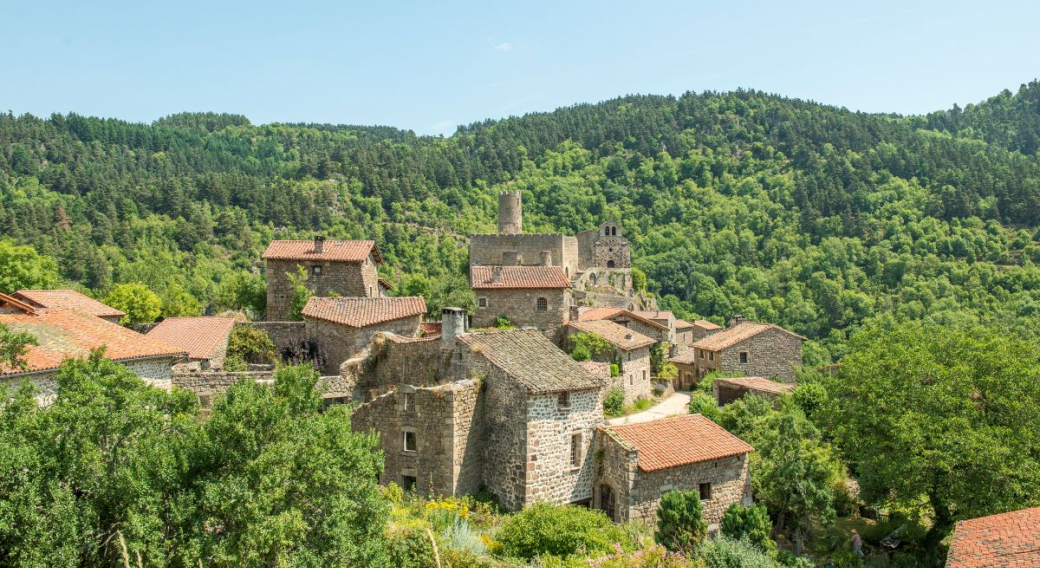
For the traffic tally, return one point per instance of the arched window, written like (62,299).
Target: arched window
(610,264)
(606,231)
(543,304)
(613,231)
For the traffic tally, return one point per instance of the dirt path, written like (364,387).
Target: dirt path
(673,405)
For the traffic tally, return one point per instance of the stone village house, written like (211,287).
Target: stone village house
(638,463)
(70,300)
(333,268)
(504,410)
(63,333)
(529,296)
(629,350)
(687,333)
(343,327)
(204,339)
(745,348)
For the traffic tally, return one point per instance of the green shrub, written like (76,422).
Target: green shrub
(614,402)
(409,546)
(705,404)
(591,343)
(680,522)
(615,370)
(545,529)
(751,524)
(580,353)
(248,345)
(641,404)
(724,552)
(502,322)
(137,301)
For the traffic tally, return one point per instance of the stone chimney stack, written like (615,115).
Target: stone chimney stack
(546,258)
(319,244)
(737,319)
(453,323)
(575,313)
(496,274)
(510,213)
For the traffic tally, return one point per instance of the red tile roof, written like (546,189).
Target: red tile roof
(386,284)
(199,336)
(1007,540)
(69,299)
(654,315)
(706,325)
(363,312)
(15,304)
(737,334)
(617,335)
(516,277)
(431,328)
(336,251)
(687,357)
(64,333)
(683,440)
(760,384)
(602,313)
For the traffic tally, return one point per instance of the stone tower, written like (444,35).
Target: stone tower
(510,213)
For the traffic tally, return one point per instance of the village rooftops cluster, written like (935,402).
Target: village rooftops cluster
(1007,540)
(69,299)
(363,312)
(324,250)
(619,336)
(683,440)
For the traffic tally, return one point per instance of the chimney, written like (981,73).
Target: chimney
(496,274)
(628,337)
(453,323)
(319,243)
(575,313)
(546,258)
(737,319)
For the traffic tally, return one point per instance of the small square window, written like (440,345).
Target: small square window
(482,302)
(743,356)
(410,445)
(408,482)
(409,402)
(711,356)
(705,490)
(316,270)
(563,400)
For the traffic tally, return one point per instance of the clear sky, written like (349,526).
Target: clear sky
(429,66)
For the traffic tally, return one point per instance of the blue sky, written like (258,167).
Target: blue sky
(429,66)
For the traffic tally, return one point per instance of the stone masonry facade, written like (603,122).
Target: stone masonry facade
(772,353)
(351,279)
(520,306)
(342,342)
(154,371)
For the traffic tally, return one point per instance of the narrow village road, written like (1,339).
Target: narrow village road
(673,405)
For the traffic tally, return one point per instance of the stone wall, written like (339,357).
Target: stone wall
(341,342)
(551,476)
(687,377)
(280,332)
(216,382)
(638,493)
(772,353)
(46,385)
(391,361)
(349,279)
(156,372)
(641,327)
(635,377)
(520,307)
(488,250)
(504,442)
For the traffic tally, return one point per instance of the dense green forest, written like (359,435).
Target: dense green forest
(807,215)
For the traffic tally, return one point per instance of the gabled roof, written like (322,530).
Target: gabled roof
(687,357)
(64,333)
(531,360)
(517,277)
(602,313)
(335,251)
(654,314)
(738,333)
(12,304)
(69,299)
(386,284)
(363,312)
(683,440)
(760,384)
(1007,540)
(617,335)
(705,325)
(199,336)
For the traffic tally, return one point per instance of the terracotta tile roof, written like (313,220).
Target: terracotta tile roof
(64,333)
(363,312)
(69,299)
(531,360)
(336,251)
(1007,540)
(760,384)
(515,277)
(12,304)
(386,284)
(706,325)
(654,315)
(683,324)
(687,357)
(617,335)
(596,368)
(736,334)
(616,314)
(430,328)
(683,440)
(199,336)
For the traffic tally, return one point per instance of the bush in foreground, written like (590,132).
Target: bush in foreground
(543,529)
(680,522)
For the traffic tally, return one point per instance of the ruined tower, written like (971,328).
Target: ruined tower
(510,213)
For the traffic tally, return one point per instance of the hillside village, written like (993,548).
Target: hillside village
(497,400)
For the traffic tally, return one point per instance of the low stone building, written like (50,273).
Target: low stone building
(529,296)
(689,332)
(727,390)
(687,375)
(750,349)
(63,334)
(630,351)
(1007,540)
(343,327)
(503,410)
(204,339)
(332,268)
(70,300)
(639,463)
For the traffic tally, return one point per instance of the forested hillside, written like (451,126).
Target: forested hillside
(806,215)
